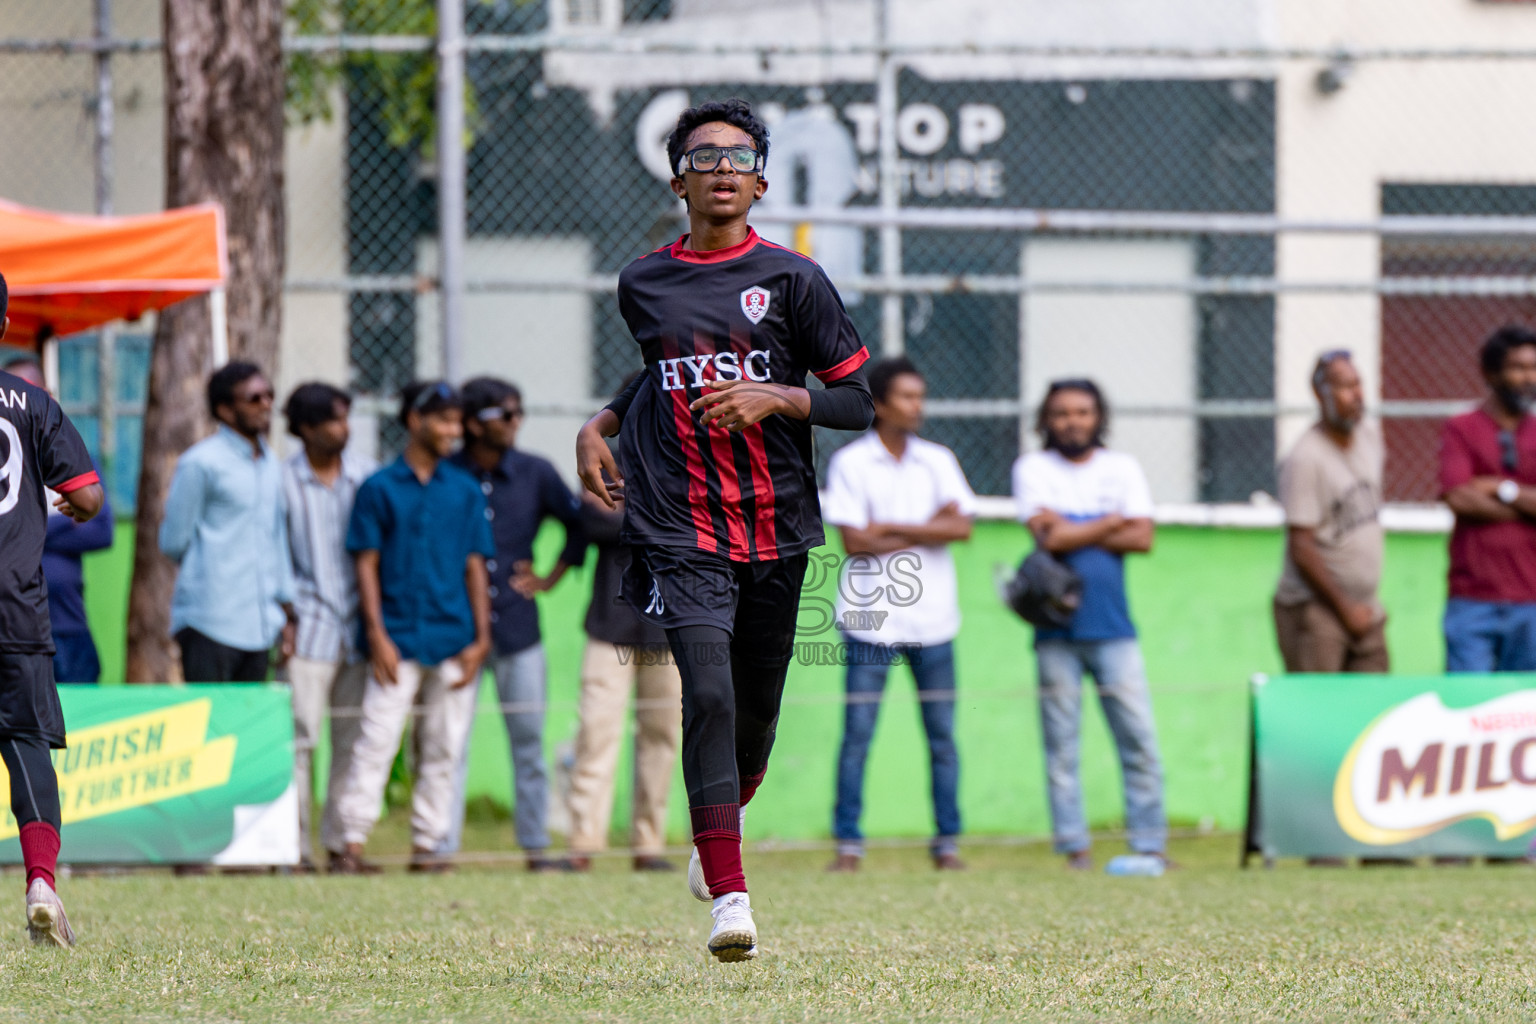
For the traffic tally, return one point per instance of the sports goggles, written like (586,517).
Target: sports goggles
(744,159)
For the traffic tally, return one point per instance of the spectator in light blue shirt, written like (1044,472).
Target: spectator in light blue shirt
(225,527)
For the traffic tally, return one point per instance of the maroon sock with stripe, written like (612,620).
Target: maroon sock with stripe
(40,851)
(717,836)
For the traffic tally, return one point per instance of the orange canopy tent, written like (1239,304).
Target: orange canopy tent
(69,273)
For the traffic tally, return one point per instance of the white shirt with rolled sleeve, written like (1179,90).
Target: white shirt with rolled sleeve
(909,596)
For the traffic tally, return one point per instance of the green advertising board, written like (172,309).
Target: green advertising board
(1382,766)
(174,774)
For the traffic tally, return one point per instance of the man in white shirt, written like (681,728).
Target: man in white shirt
(1090,506)
(898,501)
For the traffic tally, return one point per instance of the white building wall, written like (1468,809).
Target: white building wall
(1417,121)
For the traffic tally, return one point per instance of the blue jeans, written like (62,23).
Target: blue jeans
(933,669)
(519,680)
(76,660)
(1489,636)
(1121,680)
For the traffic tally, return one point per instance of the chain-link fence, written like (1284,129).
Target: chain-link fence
(1186,207)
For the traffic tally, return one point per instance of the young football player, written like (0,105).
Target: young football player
(719,485)
(40,450)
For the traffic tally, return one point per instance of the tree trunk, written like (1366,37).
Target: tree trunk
(224,143)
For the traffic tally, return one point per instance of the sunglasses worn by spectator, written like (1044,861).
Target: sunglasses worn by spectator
(498,412)
(744,159)
(257,397)
(1509,452)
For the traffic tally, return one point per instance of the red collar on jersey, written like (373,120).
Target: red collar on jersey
(714,255)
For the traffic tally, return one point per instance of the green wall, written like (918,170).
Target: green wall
(1201,601)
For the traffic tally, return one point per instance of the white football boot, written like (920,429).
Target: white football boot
(45,916)
(696,883)
(734,937)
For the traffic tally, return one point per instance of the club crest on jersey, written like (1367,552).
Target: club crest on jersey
(754,303)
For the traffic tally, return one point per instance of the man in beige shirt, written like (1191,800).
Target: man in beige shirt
(1327,613)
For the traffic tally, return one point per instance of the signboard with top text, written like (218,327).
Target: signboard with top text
(174,775)
(1382,766)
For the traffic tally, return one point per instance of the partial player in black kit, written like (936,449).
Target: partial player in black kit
(40,450)
(720,488)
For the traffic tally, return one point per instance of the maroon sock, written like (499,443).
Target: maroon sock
(717,837)
(749,786)
(40,851)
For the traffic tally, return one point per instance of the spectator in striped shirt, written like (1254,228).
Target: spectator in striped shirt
(327,670)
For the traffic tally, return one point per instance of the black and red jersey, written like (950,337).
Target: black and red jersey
(39,449)
(754,311)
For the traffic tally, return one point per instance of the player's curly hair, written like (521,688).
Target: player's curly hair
(735,112)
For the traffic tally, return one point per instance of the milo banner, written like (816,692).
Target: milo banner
(1377,766)
(174,774)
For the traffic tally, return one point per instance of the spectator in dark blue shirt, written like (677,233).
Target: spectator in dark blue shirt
(522,490)
(421,539)
(75,659)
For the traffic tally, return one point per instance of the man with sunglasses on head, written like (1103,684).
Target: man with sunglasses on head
(521,491)
(421,541)
(1488,478)
(226,529)
(719,486)
(1328,617)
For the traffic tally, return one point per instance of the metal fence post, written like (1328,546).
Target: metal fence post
(451,182)
(892,335)
(106,338)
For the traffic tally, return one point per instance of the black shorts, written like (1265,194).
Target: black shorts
(29,700)
(674,587)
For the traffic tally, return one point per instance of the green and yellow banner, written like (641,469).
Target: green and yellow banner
(1381,766)
(174,774)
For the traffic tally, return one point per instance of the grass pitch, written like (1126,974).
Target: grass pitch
(1015,938)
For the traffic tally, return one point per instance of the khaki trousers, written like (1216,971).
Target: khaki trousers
(608,673)
(319,687)
(1313,639)
(445,714)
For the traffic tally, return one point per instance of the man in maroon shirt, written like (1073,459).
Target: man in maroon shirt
(1488,478)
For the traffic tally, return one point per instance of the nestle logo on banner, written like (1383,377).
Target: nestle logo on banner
(1423,766)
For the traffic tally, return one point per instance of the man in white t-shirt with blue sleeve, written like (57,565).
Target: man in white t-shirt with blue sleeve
(898,502)
(1090,506)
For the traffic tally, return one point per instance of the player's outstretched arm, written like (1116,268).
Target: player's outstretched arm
(82,503)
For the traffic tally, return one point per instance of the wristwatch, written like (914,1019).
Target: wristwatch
(1508,491)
